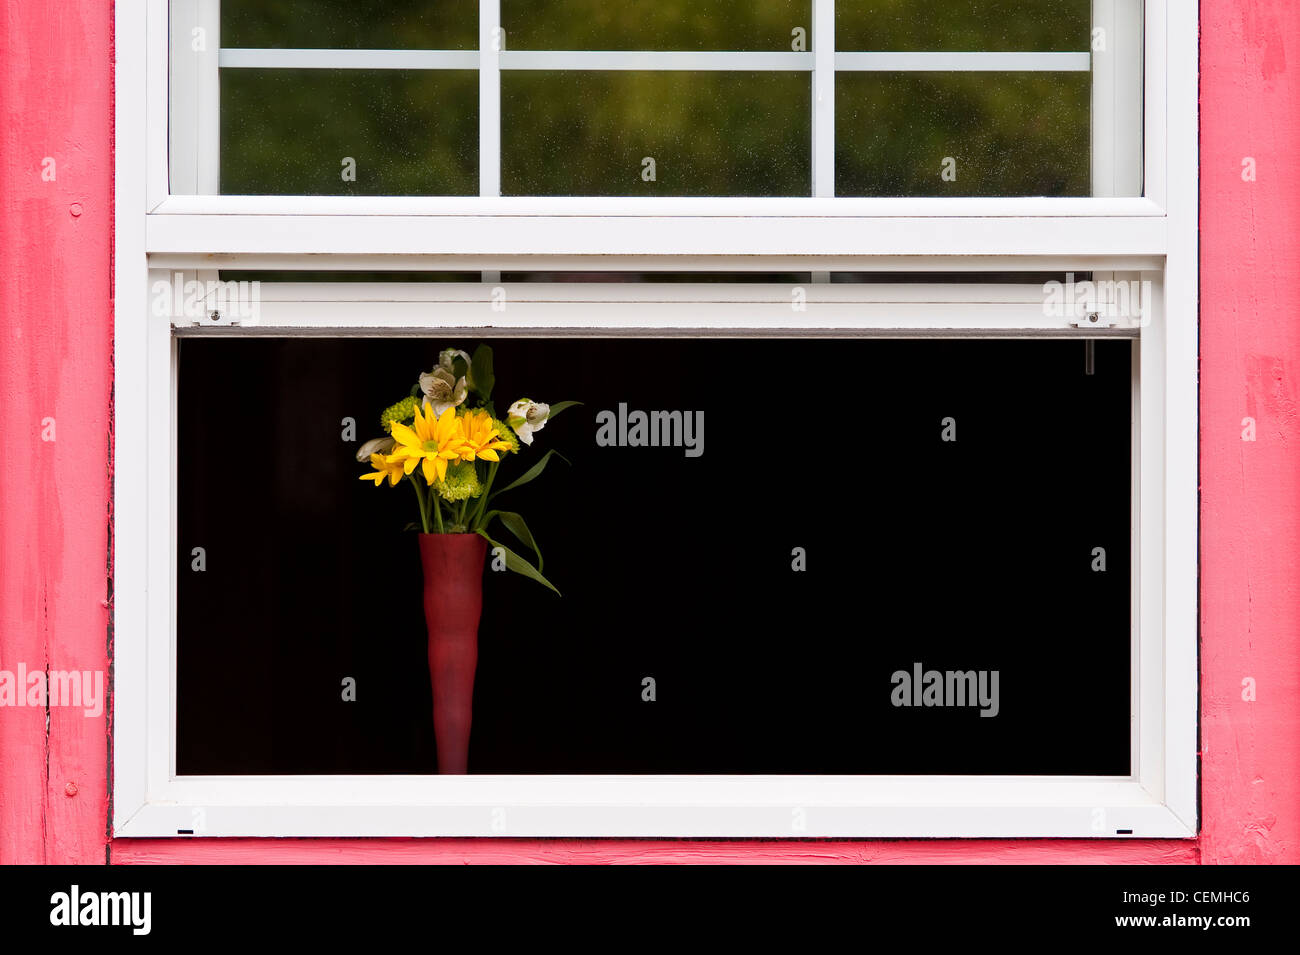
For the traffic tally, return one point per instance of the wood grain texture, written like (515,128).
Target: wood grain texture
(1250,491)
(650,851)
(56,325)
(56,361)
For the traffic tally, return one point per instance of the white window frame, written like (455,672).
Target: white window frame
(1153,237)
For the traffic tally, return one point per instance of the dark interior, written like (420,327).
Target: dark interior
(967,554)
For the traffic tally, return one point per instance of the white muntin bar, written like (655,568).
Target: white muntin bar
(654,60)
(685,60)
(823,99)
(491,41)
(234,58)
(930,62)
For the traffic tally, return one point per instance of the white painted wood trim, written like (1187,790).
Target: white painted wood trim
(135,109)
(1117,99)
(1160,87)
(648,263)
(656,806)
(666,207)
(149,119)
(665,237)
(1182,424)
(620,308)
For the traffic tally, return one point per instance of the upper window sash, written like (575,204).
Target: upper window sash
(181,122)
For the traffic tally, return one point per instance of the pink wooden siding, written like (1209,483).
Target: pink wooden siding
(56,320)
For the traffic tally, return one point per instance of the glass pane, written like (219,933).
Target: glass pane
(972,25)
(293,132)
(920,553)
(347,24)
(662,25)
(640,133)
(962,134)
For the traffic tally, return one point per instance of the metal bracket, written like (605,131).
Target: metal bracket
(1092,320)
(215,316)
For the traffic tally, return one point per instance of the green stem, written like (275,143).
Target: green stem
(437,510)
(482,498)
(424,516)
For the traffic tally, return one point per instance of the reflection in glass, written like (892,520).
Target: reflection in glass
(768,25)
(639,133)
(962,134)
(292,132)
(971,25)
(347,24)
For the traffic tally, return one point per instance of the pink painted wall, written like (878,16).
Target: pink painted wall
(56,354)
(56,362)
(1250,492)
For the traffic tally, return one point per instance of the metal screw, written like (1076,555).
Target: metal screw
(215,315)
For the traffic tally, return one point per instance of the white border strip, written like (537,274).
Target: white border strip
(660,207)
(677,240)
(660,806)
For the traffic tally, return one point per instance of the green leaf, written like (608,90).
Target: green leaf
(560,406)
(514,523)
(518,564)
(531,473)
(480,371)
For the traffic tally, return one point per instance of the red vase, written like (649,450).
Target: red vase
(453,601)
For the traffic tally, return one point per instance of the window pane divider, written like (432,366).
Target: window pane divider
(823,101)
(665,60)
(312,59)
(962,61)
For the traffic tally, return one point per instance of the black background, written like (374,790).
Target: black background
(967,555)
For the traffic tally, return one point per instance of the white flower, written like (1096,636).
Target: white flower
(375,446)
(527,416)
(447,358)
(441,390)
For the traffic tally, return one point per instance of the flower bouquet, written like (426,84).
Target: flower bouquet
(446,440)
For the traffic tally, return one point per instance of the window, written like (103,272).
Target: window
(720,98)
(920,198)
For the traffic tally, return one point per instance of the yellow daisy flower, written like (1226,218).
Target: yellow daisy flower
(428,442)
(386,466)
(481,438)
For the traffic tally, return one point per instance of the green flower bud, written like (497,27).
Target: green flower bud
(460,483)
(403,411)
